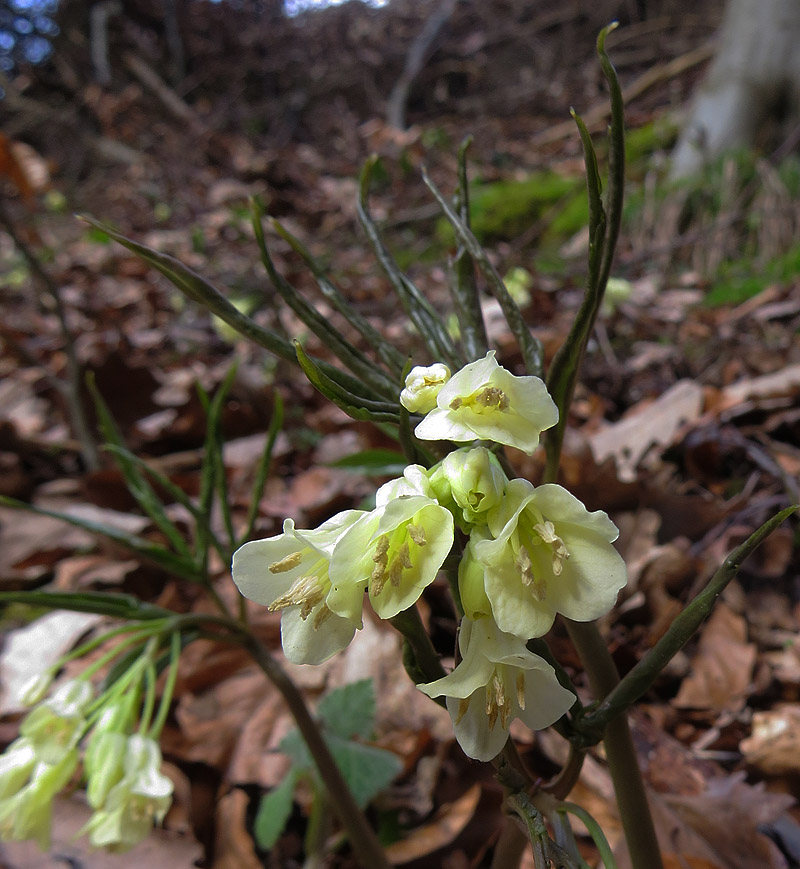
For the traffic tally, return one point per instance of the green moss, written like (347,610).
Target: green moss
(503,210)
(740,280)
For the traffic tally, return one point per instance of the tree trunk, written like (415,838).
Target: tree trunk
(752,86)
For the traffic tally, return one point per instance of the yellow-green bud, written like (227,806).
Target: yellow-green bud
(422,386)
(473,479)
(471,586)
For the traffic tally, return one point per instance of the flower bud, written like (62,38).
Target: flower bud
(472,586)
(473,479)
(422,386)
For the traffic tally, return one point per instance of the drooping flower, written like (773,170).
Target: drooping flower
(422,386)
(473,479)
(56,724)
(497,680)
(289,572)
(395,553)
(548,554)
(104,760)
(27,812)
(139,799)
(484,401)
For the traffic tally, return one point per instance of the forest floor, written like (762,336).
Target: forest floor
(685,427)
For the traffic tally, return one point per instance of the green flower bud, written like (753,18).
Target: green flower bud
(471,585)
(473,479)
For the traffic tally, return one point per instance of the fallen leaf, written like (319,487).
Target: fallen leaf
(449,821)
(234,845)
(774,745)
(653,424)
(722,667)
(29,651)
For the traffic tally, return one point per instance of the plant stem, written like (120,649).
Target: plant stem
(634,810)
(363,840)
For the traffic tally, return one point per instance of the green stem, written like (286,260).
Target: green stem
(363,840)
(642,676)
(623,764)
(410,626)
(169,686)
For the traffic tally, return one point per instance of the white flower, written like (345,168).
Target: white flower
(497,681)
(485,401)
(415,481)
(422,386)
(395,553)
(289,572)
(549,555)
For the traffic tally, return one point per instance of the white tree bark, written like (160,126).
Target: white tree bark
(753,80)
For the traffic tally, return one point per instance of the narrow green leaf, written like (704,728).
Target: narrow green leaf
(135,481)
(529,344)
(152,552)
(390,355)
(355,406)
(463,286)
(375,462)
(112,604)
(422,314)
(275,426)
(636,682)
(273,812)
(349,711)
(595,831)
(200,290)
(351,356)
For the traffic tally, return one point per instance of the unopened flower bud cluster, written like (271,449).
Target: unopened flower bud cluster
(532,553)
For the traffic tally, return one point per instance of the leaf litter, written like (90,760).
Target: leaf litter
(685,429)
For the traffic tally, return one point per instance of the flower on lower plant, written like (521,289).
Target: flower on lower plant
(497,680)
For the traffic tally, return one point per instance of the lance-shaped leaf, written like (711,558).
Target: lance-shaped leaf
(389,354)
(355,406)
(603,233)
(419,309)
(135,480)
(201,291)
(351,356)
(112,604)
(153,552)
(463,286)
(529,344)
(642,676)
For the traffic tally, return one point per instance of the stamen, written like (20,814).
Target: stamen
(322,615)
(456,403)
(525,566)
(546,530)
(288,563)
(521,689)
(463,707)
(305,592)
(417,534)
(492,396)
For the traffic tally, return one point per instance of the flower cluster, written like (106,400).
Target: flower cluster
(532,552)
(125,786)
